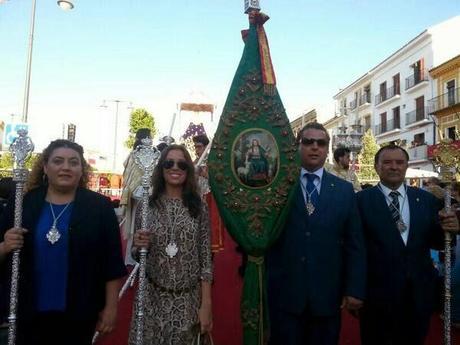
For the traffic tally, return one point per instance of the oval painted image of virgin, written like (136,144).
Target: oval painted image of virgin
(255,158)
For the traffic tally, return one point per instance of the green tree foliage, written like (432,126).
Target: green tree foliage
(366,158)
(139,118)
(6,163)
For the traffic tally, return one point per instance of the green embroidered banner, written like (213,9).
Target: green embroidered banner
(253,168)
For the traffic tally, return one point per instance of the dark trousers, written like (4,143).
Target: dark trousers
(305,329)
(400,325)
(56,328)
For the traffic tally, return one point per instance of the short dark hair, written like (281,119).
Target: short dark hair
(389,147)
(313,125)
(340,152)
(161,146)
(201,139)
(141,133)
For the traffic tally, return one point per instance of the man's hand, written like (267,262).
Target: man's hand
(449,221)
(352,304)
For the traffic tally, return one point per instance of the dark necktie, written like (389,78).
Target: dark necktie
(312,191)
(394,206)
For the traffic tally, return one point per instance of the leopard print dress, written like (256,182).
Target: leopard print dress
(173,289)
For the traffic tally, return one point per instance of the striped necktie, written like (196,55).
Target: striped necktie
(394,206)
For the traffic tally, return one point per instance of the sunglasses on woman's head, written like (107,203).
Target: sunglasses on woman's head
(169,163)
(308,142)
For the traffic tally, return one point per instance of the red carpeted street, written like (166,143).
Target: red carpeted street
(350,328)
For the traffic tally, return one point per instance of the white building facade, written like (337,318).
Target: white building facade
(392,98)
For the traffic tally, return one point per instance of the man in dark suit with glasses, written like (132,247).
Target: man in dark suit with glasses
(318,265)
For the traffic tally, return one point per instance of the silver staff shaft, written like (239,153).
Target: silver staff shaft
(142,279)
(447,273)
(146,157)
(15,269)
(204,157)
(20,148)
(173,121)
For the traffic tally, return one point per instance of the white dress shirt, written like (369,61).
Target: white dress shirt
(304,181)
(403,206)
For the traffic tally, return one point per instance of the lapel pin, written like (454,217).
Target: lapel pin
(417,199)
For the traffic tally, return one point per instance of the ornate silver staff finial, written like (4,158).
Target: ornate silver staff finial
(21,147)
(146,157)
(250,5)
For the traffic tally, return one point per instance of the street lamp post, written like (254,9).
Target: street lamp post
(115,136)
(65,5)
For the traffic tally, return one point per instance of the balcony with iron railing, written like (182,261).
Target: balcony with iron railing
(353,104)
(417,115)
(446,100)
(416,79)
(387,95)
(417,153)
(365,99)
(386,127)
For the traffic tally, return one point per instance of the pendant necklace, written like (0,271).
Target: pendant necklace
(400,225)
(172,248)
(53,235)
(309,206)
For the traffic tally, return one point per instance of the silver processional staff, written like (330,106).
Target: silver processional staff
(146,157)
(21,148)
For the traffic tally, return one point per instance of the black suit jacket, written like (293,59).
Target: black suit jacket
(392,265)
(94,252)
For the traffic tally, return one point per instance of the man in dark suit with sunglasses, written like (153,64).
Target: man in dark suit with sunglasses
(318,264)
(401,224)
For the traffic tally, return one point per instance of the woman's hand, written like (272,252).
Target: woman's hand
(107,320)
(13,239)
(205,318)
(141,239)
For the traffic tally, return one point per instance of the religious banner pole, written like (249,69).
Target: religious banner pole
(146,157)
(21,147)
(253,168)
(447,159)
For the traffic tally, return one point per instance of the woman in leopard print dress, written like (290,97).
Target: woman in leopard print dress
(179,267)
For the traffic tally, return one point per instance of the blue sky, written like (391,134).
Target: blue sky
(154,53)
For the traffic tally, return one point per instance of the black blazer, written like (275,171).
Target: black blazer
(392,265)
(94,252)
(319,258)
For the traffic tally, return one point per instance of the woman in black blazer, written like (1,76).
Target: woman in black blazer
(71,262)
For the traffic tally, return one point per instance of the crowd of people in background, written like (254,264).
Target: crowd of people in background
(374,250)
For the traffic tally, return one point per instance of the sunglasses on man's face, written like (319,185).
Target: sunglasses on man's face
(309,141)
(168,164)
